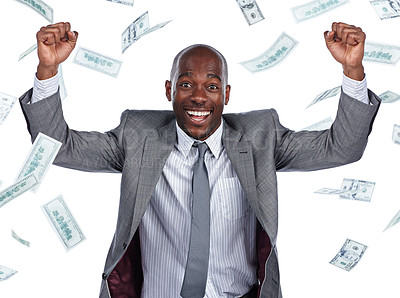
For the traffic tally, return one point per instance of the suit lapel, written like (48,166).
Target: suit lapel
(157,149)
(241,155)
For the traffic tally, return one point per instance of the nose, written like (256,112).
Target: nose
(198,94)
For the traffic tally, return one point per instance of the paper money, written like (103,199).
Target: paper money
(326,94)
(396,134)
(6,273)
(321,125)
(40,7)
(17,189)
(389,97)
(126,2)
(19,239)
(382,53)
(315,8)
(251,11)
(386,9)
(349,255)
(63,223)
(395,220)
(330,191)
(63,90)
(359,190)
(6,104)
(98,62)
(42,154)
(27,52)
(136,30)
(274,55)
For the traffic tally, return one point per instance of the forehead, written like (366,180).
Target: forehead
(200,60)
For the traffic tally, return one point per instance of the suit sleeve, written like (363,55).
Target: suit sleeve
(86,151)
(343,143)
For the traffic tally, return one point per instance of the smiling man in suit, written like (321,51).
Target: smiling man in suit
(160,157)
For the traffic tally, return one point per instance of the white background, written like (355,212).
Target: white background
(312,227)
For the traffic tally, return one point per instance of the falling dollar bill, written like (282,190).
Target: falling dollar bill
(359,190)
(395,220)
(136,30)
(274,55)
(396,134)
(17,189)
(63,223)
(42,154)
(19,239)
(386,9)
(314,8)
(6,273)
(330,191)
(6,104)
(63,90)
(27,52)
(389,97)
(382,53)
(321,125)
(98,62)
(40,7)
(126,2)
(349,255)
(251,11)
(326,94)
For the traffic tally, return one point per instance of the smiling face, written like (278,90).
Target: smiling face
(198,91)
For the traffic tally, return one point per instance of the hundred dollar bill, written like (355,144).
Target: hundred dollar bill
(359,190)
(41,156)
(274,55)
(321,125)
(6,273)
(19,239)
(17,189)
(63,223)
(126,2)
(349,255)
(386,9)
(136,30)
(389,97)
(6,104)
(251,11)
(395,220)
(98,62)
(326,94)
(40,7)
(27,52)
(396,134)
(314,8)
(330,191)
(63,90)
(382,53)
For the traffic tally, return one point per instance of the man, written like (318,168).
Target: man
(152,248)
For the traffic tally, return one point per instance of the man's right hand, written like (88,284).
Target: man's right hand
(55,44)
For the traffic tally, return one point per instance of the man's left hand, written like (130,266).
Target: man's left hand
(346,44)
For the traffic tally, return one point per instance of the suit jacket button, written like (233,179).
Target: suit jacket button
(104,276)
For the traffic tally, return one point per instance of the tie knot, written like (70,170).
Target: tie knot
(202,147)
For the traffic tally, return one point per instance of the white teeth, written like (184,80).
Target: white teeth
(198,113)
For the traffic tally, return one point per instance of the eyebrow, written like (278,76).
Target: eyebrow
(190,74)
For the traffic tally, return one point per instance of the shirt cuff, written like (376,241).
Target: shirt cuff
(356,89)
(44,88)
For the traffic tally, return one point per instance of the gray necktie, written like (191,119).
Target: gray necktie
(194,282)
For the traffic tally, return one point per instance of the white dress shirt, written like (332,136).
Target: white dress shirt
(165,227)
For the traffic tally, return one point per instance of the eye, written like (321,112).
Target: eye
(213,87)
(185,85)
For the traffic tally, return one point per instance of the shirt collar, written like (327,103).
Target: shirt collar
(184,142)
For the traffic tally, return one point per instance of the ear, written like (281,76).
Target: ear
(168,90)
(227,93)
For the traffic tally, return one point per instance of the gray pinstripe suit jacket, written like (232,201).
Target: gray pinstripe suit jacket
(256,143)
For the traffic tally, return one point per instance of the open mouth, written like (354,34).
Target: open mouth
(198,115)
